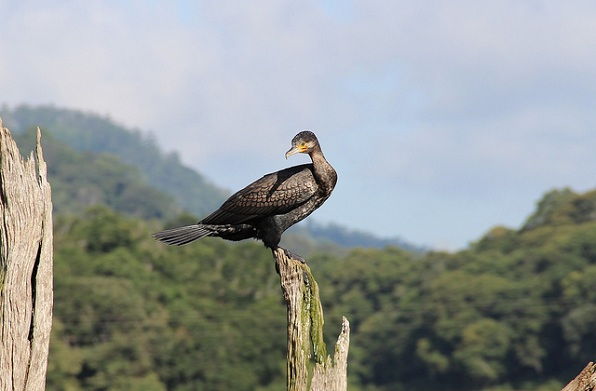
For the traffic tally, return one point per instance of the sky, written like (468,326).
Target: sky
(442,118)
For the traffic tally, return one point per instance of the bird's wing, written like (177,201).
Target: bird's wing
(273,194)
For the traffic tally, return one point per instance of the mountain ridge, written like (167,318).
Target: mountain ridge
(163,171)
(187,189)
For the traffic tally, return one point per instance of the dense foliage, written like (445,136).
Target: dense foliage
(134,315)
(516,307)
(514,311)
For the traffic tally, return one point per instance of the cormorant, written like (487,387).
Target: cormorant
(267,207)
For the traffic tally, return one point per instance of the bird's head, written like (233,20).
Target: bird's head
(303,142)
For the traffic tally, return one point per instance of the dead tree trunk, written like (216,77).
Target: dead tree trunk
(585,381)
(25,267)
(305,332)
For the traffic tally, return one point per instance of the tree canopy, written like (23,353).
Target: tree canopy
(514,310)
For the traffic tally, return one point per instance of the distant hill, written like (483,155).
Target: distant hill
(96,161)
(344,237)
(84,179)
(92,133)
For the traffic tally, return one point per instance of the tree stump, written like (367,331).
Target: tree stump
(25,266)
(305,332)
(585,381)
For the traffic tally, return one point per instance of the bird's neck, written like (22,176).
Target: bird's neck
(317,157)
(323,172)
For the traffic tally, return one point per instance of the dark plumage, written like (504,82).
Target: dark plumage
(267,207)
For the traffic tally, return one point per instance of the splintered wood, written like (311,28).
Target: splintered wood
(585,381)
(25,266)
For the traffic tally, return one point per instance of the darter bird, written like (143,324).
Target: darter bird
(268,206)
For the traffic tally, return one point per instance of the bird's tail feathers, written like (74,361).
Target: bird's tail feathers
(183,235)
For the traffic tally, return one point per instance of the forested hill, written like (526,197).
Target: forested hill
(92,133)
(94,161)
(515,311)
(81,180)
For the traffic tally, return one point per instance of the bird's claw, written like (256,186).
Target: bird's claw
(297,257)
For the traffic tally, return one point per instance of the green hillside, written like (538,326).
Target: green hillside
(96,161)
(515,311)
(84,179)
(91,133)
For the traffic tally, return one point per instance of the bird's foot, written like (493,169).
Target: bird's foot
(297,257)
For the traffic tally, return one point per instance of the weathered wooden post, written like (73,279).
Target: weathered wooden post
(305,332)
(585,381)
(25,266)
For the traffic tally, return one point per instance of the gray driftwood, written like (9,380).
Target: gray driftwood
(585,381)
(25,266)
(309,367)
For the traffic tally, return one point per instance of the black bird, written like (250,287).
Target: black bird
(267,207)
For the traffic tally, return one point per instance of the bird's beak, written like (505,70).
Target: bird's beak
(293,151)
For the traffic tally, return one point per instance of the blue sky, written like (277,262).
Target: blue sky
(443,118)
